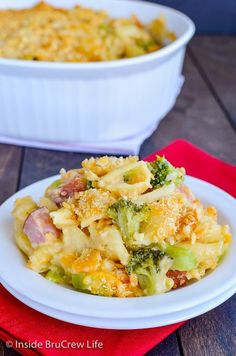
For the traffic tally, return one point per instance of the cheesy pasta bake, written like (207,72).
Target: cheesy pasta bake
(120,227)
(47,33)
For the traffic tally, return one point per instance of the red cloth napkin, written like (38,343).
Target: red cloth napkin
(19,322)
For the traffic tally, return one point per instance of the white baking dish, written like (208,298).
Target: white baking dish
(93,102)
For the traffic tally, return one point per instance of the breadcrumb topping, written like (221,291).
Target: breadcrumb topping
(78,34)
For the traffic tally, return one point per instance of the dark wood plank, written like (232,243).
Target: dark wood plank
(196,117)
(168,347)
(10,158)
(4,351)
(215,55)
(1,348)
(39,164)
(212,334)
(10,161)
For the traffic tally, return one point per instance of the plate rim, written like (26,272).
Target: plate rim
(101,309)
(135,324)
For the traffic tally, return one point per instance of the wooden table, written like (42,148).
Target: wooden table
(205,114)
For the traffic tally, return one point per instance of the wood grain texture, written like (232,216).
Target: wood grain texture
(1,348)
(39,164)
(4,351)
(10,157)
(10,161)
(212,334)
(216,57)
(168,347)
(196,117)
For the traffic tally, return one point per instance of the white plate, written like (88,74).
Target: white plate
(33,286)
(124,323)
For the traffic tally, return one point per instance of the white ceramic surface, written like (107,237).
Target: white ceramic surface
(14,273)
(126,323)
(93,102)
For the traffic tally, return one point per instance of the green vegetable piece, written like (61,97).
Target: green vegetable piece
(145,44)
(56,274)
(134,50)
(150,266)
(55,184)
(163,173)
(89,184)
(183,258)
(79,282)
(106,28)
(128,217)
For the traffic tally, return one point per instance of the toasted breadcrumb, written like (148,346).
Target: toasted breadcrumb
(91,205)
(78,34)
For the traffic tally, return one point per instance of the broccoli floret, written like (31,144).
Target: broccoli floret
(163,173)
(150,265)
(56,274)
(145,259)
(89,184)
(128,216)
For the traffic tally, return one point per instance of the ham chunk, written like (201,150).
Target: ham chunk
(179,278)
(39,227)
(67,189)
